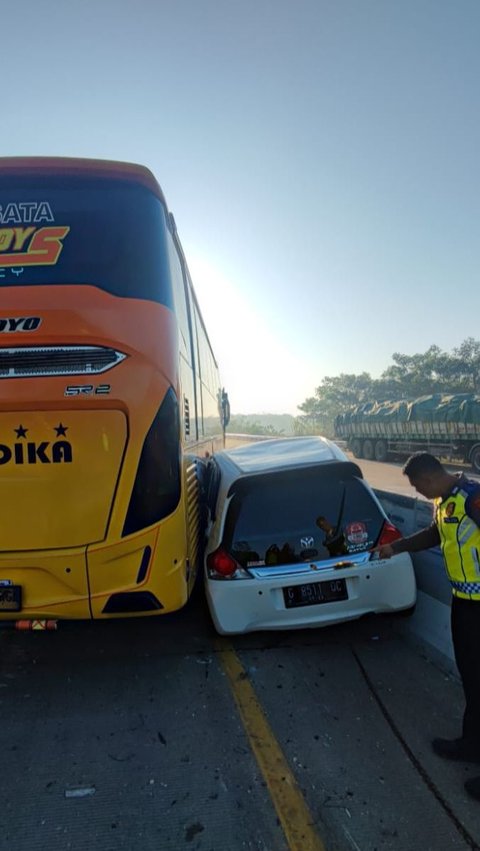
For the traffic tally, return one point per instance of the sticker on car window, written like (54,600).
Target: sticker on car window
(356,533)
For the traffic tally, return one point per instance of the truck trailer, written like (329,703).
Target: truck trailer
(446,426)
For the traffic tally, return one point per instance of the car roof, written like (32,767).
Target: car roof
(268,456)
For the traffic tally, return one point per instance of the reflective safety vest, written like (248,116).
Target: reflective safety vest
(460,541)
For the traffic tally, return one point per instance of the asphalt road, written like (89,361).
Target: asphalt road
(389,477)
(132,735)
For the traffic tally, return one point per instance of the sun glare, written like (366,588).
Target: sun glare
(261,372)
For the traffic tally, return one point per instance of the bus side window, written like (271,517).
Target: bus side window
(209,380)
(179,298)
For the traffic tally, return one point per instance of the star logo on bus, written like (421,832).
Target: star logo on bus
(61,430)
(21,431)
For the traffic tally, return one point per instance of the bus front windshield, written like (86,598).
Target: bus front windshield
(101,232)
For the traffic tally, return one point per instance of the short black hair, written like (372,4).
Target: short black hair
(422,463)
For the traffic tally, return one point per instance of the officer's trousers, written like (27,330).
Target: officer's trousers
(465,620)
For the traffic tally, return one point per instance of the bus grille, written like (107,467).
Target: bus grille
(57,360)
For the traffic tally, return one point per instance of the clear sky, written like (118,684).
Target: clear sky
(321,158)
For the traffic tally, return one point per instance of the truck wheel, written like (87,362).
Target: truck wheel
(357,448)
(475,458)
(381,450)
(368,450)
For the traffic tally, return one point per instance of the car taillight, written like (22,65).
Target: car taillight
(389,534)
(222,563)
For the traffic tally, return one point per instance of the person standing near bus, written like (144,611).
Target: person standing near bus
(456,529)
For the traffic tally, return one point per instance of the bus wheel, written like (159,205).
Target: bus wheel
(475,458)
(381,450)
(368,450)
(357,448)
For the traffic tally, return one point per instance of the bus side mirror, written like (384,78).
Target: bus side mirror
(225,409)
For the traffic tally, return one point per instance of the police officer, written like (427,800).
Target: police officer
(456,528)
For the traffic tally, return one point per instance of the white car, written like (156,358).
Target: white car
(291,528)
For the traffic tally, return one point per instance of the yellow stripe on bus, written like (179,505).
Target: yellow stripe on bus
(293,813)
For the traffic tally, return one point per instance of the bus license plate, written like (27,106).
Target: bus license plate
(10,598)
(314,593)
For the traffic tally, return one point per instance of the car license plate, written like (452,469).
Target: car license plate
(314,593)
(10,598)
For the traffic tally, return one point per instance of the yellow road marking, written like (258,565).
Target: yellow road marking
(295,817)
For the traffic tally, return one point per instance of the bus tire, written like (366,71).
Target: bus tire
(368,450)
(381,450)
(357,447)
(475,458)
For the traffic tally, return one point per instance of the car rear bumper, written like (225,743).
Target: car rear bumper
(248,605)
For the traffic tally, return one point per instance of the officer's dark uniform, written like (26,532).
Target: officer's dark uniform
(456,529)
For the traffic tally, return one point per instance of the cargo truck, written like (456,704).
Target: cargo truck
(446,426)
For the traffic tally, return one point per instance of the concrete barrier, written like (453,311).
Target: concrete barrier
(431,620)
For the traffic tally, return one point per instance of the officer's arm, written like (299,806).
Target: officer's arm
(423,540)
(472,507)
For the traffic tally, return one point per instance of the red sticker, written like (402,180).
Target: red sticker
(356,533)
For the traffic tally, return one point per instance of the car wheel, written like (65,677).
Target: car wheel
(381,450)
(368,450)
(357,448)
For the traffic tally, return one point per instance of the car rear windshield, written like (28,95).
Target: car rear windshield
(302,516)
(66,229)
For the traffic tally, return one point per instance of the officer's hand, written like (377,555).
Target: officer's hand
(385,551)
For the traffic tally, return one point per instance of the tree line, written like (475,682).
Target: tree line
(408,377)
(268,425)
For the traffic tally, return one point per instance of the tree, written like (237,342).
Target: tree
(410,376)
(335,395)
(242,425)
(419,374)
(466,364)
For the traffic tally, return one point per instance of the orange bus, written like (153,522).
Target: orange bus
(109,395)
